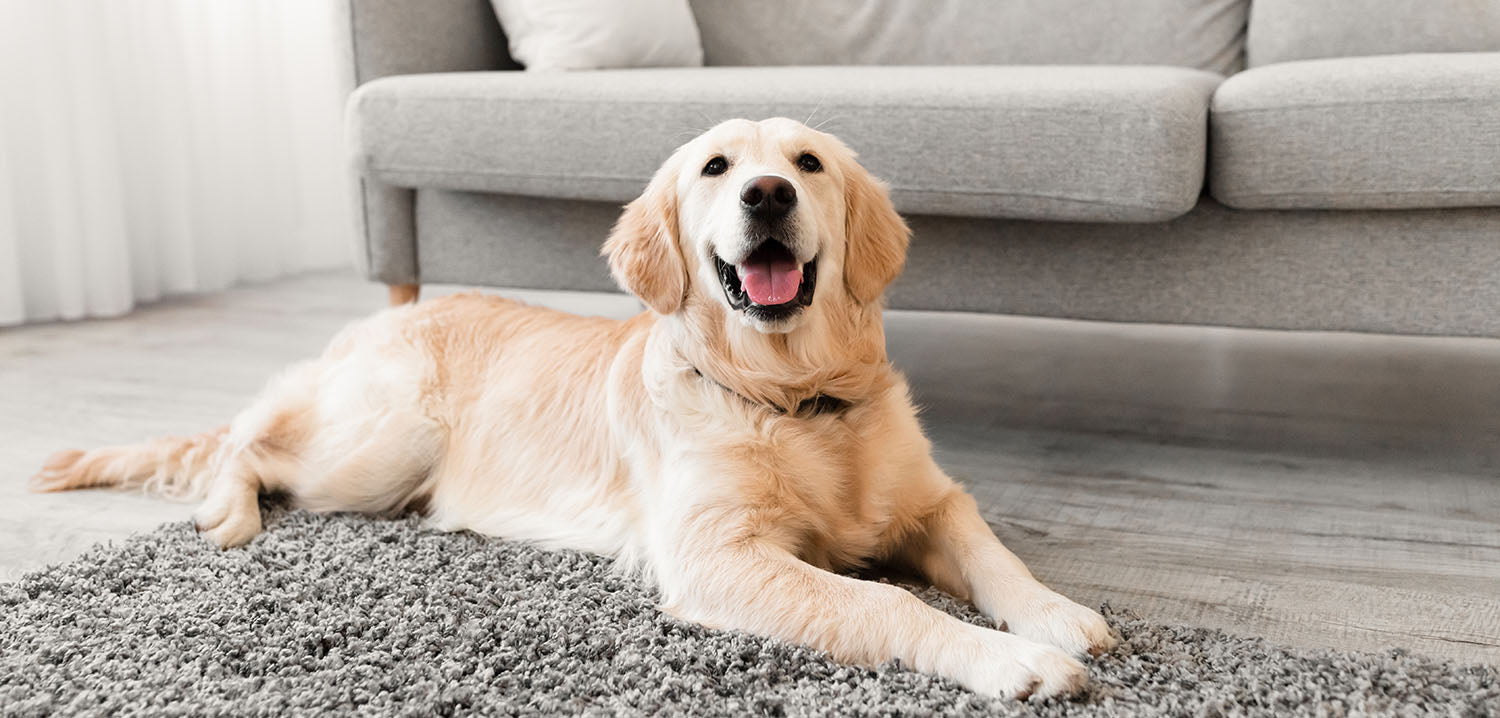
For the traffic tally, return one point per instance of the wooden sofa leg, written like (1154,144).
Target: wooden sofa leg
(404,293)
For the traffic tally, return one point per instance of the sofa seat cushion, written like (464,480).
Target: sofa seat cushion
(1386,132)
(1076,143)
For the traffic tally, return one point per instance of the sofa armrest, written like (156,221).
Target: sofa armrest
(402,37)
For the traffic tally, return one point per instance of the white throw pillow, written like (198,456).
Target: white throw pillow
(598,34)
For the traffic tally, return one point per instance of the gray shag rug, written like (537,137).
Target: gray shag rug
(347,614)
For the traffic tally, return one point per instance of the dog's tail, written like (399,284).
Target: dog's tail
(176,466)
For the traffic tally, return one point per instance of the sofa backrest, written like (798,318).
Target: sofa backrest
(1286,30)
(400,37)
(1202,34)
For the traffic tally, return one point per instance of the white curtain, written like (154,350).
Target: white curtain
(153,147)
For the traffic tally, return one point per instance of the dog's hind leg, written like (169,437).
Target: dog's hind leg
(211,465)
(332,438)
(227,467)
(230,514)
(346,432)
(264,451)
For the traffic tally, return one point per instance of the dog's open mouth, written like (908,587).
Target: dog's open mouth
(769,284)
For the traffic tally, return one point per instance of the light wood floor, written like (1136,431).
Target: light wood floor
(1355,552)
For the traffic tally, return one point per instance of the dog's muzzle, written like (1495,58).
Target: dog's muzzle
(769,284)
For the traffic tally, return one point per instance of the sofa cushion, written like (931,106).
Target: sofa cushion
(1287,30)
(1204,34)
(1081,143)
(1401,131)
(598,34)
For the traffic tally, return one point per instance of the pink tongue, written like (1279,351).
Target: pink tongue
(771,282)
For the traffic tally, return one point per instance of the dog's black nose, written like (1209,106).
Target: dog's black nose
(768,197)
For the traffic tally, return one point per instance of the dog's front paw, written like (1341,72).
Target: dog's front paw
(1051,618)
(1014,667)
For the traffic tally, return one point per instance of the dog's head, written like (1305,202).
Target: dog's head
(769,221)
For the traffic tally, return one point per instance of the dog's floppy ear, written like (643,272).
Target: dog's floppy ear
(875,236)
(644,256)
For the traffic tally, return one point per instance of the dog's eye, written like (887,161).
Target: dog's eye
(716,166)
(809,163)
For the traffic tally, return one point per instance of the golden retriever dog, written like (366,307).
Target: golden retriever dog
(742,445)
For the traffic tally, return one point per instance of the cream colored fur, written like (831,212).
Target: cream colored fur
(595,434)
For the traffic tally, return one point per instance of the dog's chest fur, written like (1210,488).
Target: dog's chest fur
(839,487)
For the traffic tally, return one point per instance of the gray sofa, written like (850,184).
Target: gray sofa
(1279,163)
